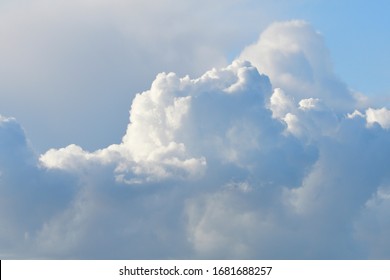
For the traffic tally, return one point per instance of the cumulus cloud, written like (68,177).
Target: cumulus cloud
(379,116)
(293,54)
(374,116)
(267,158)
(164,136)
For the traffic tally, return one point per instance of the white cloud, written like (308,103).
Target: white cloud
(233,164)
(374,116)
(308,104)
(168,122)
(280,104)
(380,116)
(296,59)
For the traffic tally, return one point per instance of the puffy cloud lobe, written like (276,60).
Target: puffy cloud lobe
(380,116)
(296,59)
(374,116)
(168,122)
(308,119)
(232,164)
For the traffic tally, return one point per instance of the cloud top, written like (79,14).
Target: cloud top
(179,123)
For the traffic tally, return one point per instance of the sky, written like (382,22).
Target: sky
(82,62)
(194,129)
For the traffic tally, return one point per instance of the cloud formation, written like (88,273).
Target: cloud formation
(294,56)
(84,57)
(270,157)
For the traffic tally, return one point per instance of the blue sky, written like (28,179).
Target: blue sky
(194,129)
(355,32)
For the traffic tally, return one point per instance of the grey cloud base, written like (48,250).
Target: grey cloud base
(234,164)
